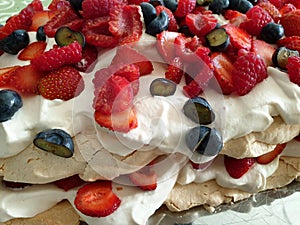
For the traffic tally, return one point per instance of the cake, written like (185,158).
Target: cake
(144,115)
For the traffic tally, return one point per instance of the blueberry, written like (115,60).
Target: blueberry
(184,29)
(217,39)
(171,4)
(159,24)
(281,55)
(65,36)
(272,32)
(218,6)
(149,12)
(162,87)
(240,5)
(10,103)
(56,141)
(199,110)
(203,140)
(156,2)
(40,34)
(15,42)
(76,4)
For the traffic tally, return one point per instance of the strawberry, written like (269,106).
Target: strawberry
(175,70)
(184,7)
(96,32)
(192,89)
(200,166)
(223,68)
(297,138)
(236,168)
(291,23)
(200,24)
(239,38)
(69,182)
(145,179)
(58,57)
(32,50)
(123,121)
(270,156)
(64,83)
(89,57)
(248,71)
(264,50)
(114,95)
(6,73)
(127,55)
(97,199)
(59,5)
(125,23)
(257,18)
(40,18)
(165,45)
(173,26)
(287,8)
(293,67)
(136,2)
(292,42)
(296,3)
(271,9)
(277,3)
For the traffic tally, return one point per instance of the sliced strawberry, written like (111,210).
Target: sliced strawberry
(114,95)
(223,68)
(239,38)
(165,45)
(146,180)
(292,42)
(97,199)
(192,89)
(125,23)
(32,50)
(123,121)
(173,26)
(264,50)
(175,70)
(59,5)
(200,166)
(291,23)
(136,2)
(89,57)
(127,55)
(40,19)
(64,83)
(200,24)
(69,182)
(288,7)
(184,7)
(58,57)
(6,73)
(236,168)
(270,156)
(96,32)
(25,79)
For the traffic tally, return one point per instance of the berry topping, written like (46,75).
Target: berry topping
(264,50)
(272,32)
(291,23)
(56,141)
(40,18)
(199,110)
(89,57)
(10,103)
(58,57)
(270,156)
(98,8)
(242,6)
(200,24)
(159,24)
(32,50)
(175,70)
(162,87)
(184,7)
(97,199)
(236,168)
(15,42)
(239,38)
(149,12)
(64,83)
(217,39)
(69,182)
(172,25)
(6,73)
(281,55)
(293,67)
(165,45)
(65,36)
(292,43)
(145,179)
(202,140)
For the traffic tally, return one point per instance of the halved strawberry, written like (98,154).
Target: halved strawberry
(270,156)
(264,50)
(223,68)
(200,24)
(25,79)
(184,7)
(97,199)
(59,5)
(291,23)
(236,168)
(40,19)
(69,182)
(123,121)
(6,73)
(239,38)
(64,83)
(127,55)
(292,42)
(145,180)
(175,70)
(32,50)
(192,89)
(166,45)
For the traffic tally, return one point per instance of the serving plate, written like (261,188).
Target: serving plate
(271,207)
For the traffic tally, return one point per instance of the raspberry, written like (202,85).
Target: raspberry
(184,7)
(249,70)
(257,18)
(293,67)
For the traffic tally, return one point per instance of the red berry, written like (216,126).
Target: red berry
(166,45)
(69,182)
(173,26)
(175,70)
(292,42)
(184,7)
(200,24)
(89,57)
(32,50)
(144,179)
(6,73)
(271,9)
(40,19)
(293,67)
(236,168)
(291,23)
(248,71)
(270,156)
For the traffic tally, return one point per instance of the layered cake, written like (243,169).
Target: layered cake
(111,109)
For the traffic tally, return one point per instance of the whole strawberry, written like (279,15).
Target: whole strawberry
(249,70)
(293,67)
(291,23)
(64,83)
